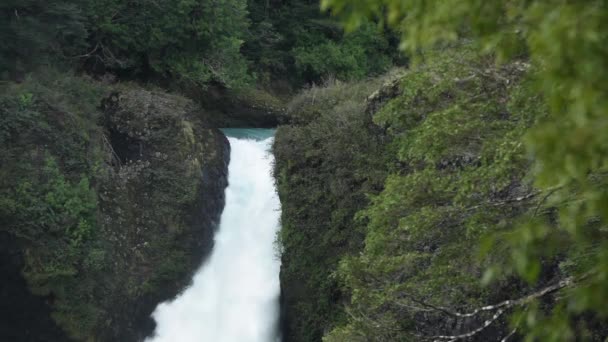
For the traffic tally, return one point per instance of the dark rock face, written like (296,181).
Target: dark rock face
(23,316)
(203,220)
(166,188)
(159,177)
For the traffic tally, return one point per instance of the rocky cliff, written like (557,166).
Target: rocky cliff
(388,185)
(110,196)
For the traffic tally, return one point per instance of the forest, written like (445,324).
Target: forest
(232,42)
(442,166)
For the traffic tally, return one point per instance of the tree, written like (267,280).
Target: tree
(565,42)
(296,39)
(33,31)
(192,40)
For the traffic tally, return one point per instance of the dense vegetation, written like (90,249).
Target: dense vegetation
(100,185)
(101,200)
(230,42)
(293,40)
(325,166)
(48,199)
(462,198)
(495,176)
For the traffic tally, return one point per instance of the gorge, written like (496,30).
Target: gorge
(439,170)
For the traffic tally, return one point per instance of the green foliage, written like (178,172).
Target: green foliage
(566,44)
(57,205)
(196,41)
(324,168)
(458,144)
(294,40)
(359,54)
(32,31)
(191,42)
(46,127)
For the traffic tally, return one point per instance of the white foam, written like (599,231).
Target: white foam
(234,295)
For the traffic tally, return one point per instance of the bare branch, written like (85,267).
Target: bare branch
(471,333)
(88,54)
(507,201)
(107,53)
(109,146)
(507,304)
(506,338)
(499,309)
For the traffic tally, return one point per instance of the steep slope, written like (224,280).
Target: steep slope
(444,166)
(326,163)
(455,128)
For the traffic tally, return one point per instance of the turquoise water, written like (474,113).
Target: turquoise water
(249,133)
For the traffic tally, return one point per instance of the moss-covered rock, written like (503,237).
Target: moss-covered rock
(161,200)
(248,107)
(111,196)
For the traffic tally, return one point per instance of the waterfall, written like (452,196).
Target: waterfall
(234,295)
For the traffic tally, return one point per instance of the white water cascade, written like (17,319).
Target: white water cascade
(234,295)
